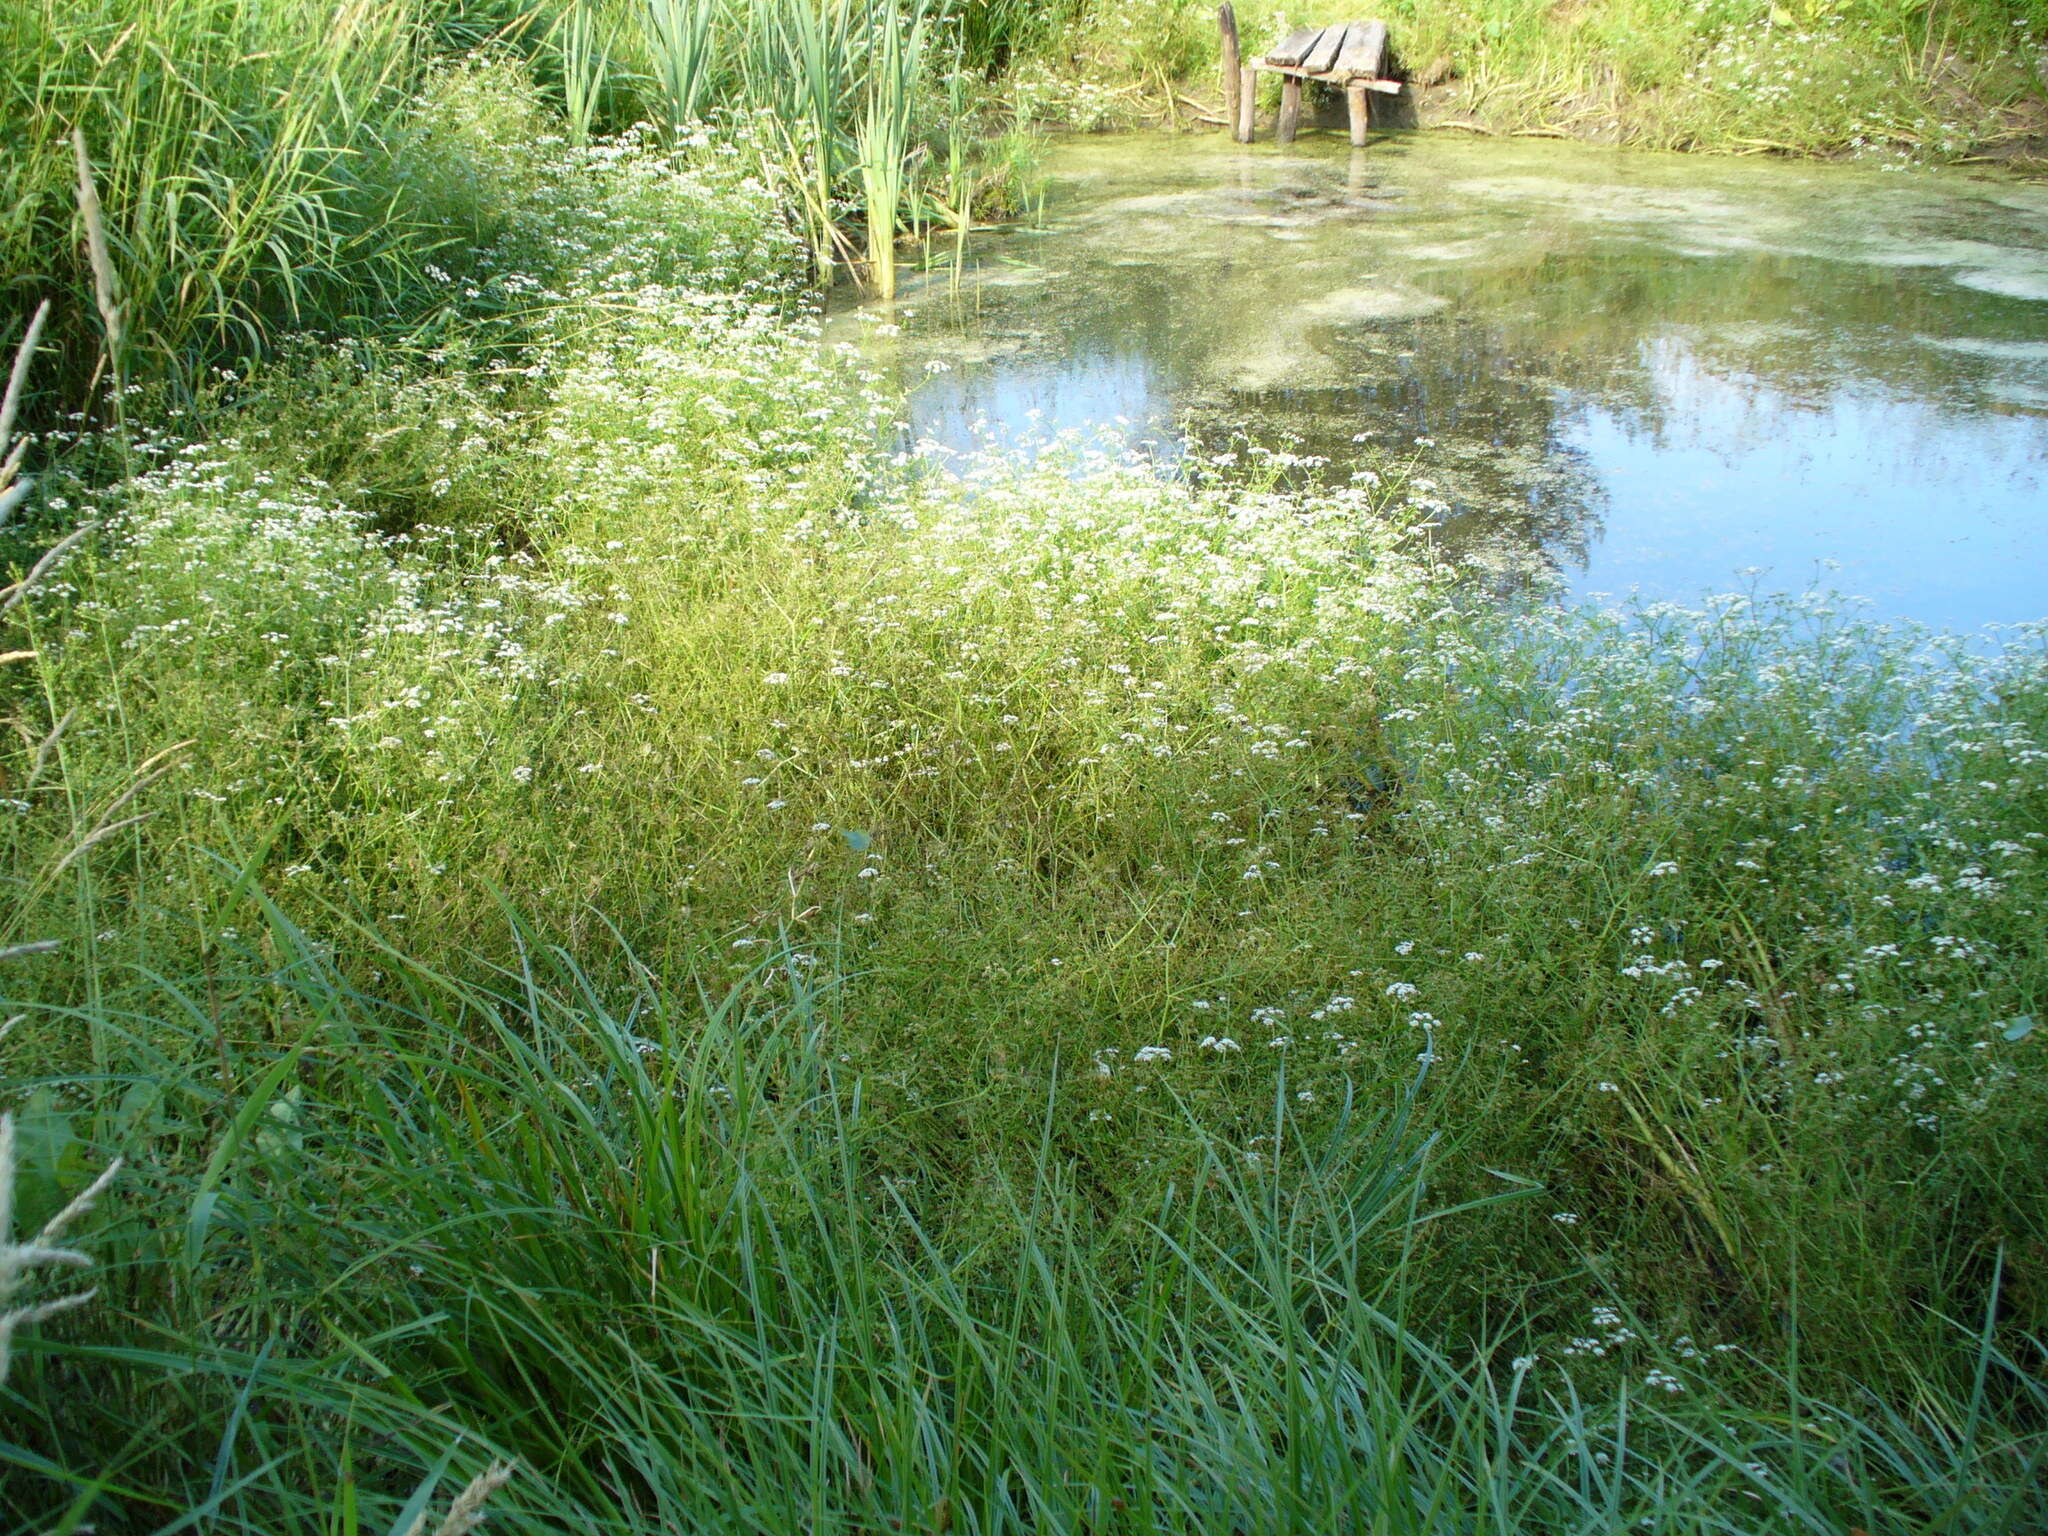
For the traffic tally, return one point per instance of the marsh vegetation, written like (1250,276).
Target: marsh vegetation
(621,923)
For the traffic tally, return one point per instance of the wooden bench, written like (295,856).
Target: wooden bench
(1349,54)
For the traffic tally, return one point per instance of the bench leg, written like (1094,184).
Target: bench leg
(1233,63)
(1361,119)
(1290,109)
(1247,102)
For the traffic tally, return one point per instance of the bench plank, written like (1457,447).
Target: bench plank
(1365,46)
(1324,55)
(1294,47)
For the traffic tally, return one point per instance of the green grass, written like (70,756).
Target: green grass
(617,926)
(639,1247)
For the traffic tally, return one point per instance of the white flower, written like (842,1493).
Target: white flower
(1402,989)
(776,679)
(1150,1053)
(1220,1044)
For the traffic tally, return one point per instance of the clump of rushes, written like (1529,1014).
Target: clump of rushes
(817,38)
(278,180)
(242,185)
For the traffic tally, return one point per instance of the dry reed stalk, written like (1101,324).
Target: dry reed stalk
(12,491)
(146,773)
(17,378)
(97,254)
(42,1249)
(467,1512)
(48,744)
(92,839)
(9,596)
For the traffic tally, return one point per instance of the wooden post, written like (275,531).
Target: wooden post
(1233,81)
(1290,109)
(1247,102)
(1355,104)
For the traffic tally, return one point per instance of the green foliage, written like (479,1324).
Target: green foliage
(882,140)
(584,69)
(1094,818)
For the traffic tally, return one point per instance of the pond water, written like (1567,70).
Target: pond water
(1628,371)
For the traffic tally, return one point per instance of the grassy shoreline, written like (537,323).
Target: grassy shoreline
(1861,79)
(618,927)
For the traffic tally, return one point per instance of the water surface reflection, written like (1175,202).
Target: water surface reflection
(1629,370)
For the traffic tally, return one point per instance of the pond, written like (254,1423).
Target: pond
(1617,370)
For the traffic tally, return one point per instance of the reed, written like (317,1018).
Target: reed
(584,62)
(954,201)
(818,36)
(679,35)
(883,139)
